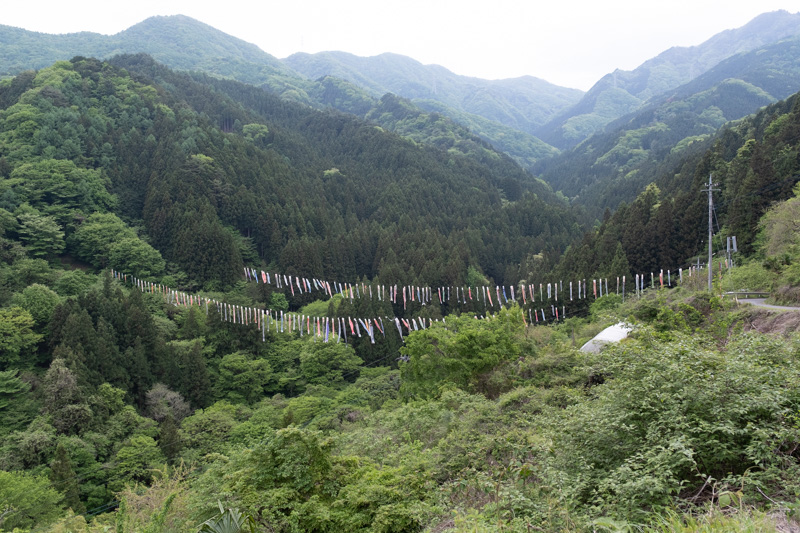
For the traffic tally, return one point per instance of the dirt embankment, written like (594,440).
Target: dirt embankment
(768,321)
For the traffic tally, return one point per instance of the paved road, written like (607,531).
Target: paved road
(759,302)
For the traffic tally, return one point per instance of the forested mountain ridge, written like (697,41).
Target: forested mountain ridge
(502,113)
(464,133)
(177,41)
(520,103)
(755,163)
(622,92)
(612,167)
(466,101)
(271,181)
(122,411)
(183,43)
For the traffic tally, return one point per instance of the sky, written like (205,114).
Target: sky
(568,43)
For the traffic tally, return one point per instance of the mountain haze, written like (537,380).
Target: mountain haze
(183,43)
(621,92)
(522,103)
(616,165)
(513,115)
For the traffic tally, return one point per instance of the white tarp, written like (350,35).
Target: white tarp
(611,334)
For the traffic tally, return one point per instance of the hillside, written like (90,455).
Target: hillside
(613,167)
(754,165)
(151,399)
(622,92)
(275,182)
(439,126)
(24,50)
(183,43)
(520,103)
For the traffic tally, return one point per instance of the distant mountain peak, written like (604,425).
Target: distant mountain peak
(172,22)
(521,103)
(668,70)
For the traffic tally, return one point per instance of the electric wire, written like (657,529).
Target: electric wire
(722,203)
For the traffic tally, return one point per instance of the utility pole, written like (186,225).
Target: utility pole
(710,229)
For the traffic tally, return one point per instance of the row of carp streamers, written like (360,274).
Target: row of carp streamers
(522,294)
(326,328)
(323,328)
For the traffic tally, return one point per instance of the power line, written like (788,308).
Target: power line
(578,314)
(114,503)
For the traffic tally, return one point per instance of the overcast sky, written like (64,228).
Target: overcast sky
(569,43)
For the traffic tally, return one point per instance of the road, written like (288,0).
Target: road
(759,302)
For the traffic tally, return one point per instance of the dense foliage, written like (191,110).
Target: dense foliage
(221,173)
(754,163)
(120,411)
(489,425)
(682,71)
(651,144)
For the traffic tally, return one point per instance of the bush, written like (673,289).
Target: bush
(750,276)
(671,414)
(458,352)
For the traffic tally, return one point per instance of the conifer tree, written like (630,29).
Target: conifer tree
(168,438)
(10,386)
(619,265)
(106,356)
(64,479)
(196,384)
(135,359)
(191,328)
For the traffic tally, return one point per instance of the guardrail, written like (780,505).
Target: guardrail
(748,294)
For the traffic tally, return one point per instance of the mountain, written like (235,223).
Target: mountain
(432,122)
(615,166)
(521,103)
(218,173)
(470,116)
(178,41)
(622,92)
(24,50)
(512,115)
(754,163)
(183,43)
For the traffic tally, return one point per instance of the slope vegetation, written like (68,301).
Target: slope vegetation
(219,173)
(612,167)
(754,164)
(520,103)
(622,92)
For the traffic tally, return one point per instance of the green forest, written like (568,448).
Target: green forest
(121,411)
(497,112)
(615,165)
